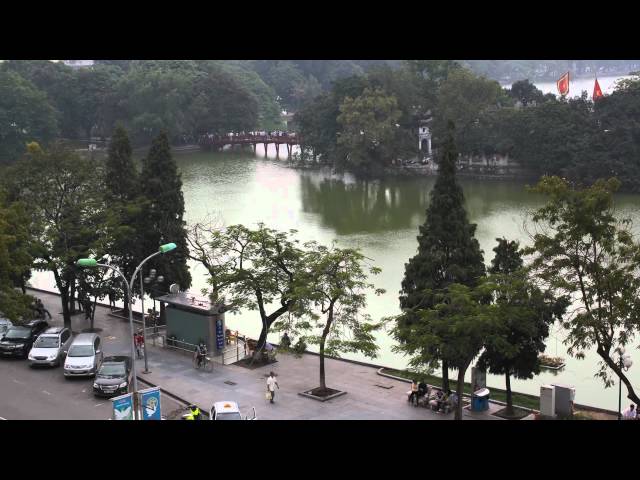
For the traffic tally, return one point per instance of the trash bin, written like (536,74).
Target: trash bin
(480,400)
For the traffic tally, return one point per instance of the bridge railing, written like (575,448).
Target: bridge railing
(285,138)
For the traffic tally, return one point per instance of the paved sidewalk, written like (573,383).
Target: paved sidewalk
(366,399)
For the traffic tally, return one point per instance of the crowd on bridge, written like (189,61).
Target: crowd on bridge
(258,136)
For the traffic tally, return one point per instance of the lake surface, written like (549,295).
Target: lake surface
(382,218)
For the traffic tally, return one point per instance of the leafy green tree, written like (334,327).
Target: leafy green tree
(254,268)
(125,214)
(526,92)
(154,100)
(428,77)
(64,195)
(16,259)
(222,105)
(523,314)
(60,84)
(452,330)
(25,115)
(96,96)
(163,220)
(369,132)
(580,249)
(447,251)
(335,283)
(462,97)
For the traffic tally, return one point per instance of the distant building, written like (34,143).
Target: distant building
(424,139)
(288,120)
(79,63)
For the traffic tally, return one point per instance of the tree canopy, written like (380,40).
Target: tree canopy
(580,249)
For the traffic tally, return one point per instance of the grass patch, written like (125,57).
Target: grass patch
(519,399)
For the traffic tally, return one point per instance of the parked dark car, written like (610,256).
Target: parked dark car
(113,377)
(18,340)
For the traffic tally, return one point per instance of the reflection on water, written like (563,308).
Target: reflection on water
(366,206)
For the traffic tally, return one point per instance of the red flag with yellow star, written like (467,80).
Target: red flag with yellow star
(597,91)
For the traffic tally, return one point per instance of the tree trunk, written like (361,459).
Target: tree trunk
(72,298)
(267,321)
(64,298)
(631,394)
(445,376)
(460,391)
(325,333)
(507,379)
(66,314)
(323,383)
(93,312)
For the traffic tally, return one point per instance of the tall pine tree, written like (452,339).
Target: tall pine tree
(163,219)
(447,249)
(125,202)
(522,316)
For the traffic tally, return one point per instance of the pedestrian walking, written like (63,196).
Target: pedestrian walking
(112,300)
(629,413)
(40,308)
(272,383)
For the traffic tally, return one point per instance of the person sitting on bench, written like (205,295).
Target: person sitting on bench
(423,391)
(453,401)
(413,394)
(435,401)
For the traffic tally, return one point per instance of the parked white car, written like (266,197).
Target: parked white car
(228,411)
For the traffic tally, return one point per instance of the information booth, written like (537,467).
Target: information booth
(192,319)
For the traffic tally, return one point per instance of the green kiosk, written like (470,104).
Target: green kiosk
(192,319)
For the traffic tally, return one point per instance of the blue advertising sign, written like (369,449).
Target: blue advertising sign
(123,407)
(219,335)
(150,404)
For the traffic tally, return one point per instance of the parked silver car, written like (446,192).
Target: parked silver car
(50,347)
(84,356)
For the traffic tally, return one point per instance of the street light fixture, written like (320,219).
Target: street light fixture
(625,363)
(92,263)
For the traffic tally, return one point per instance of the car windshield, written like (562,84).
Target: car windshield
(80,351)
(229,416)
(18,333)
(112,369)
(46,342)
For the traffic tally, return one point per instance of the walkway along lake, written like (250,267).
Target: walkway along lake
(381,217)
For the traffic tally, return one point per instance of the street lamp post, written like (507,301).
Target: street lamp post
(625,363)
(92,262)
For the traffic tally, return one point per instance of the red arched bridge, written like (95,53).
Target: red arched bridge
(218,142)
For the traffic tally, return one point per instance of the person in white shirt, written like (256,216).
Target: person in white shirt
(272,383)
(630,413)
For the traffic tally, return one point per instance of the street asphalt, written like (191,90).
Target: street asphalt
(43,393)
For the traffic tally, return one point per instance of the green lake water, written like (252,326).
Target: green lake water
(382,218)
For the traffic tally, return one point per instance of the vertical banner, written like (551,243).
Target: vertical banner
(123,407)
(150,404)
(219,334)
(563,84)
